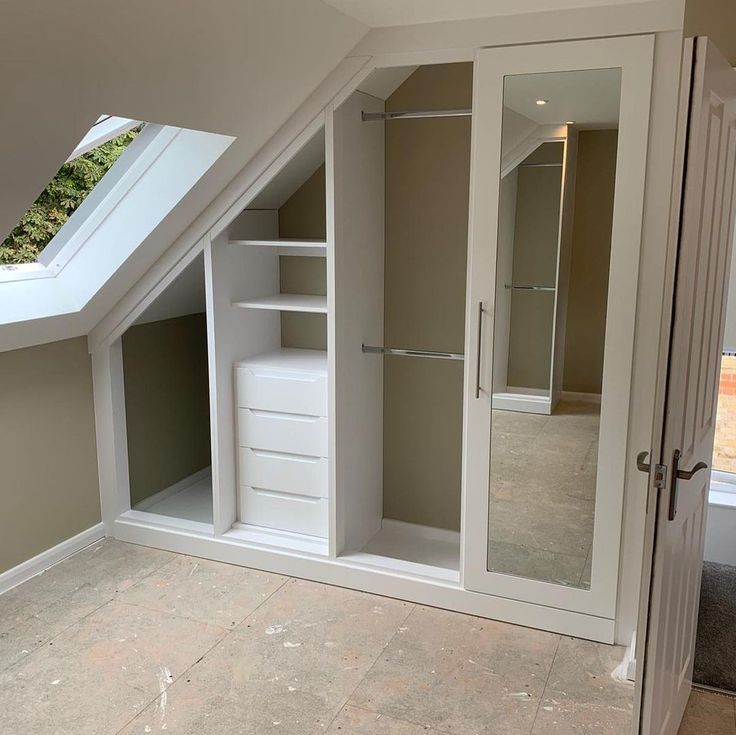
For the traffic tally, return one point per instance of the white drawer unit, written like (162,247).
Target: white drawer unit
(290,391)
(281,402)
(284,511)
(283,432)
(290,473)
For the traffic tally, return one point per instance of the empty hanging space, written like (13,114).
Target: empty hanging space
(402,158)
(167,404)
(270,292)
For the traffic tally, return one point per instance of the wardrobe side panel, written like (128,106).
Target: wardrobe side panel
(567,218)
(504,275)
(359,183)
(234,273)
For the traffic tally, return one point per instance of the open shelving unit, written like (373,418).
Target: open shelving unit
(305,303)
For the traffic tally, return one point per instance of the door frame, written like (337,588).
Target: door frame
(634,55)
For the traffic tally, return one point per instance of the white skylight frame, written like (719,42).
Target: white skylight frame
(138,194)
(105,129)
(134,160)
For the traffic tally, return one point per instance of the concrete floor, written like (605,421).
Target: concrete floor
(125,639)
(543,486)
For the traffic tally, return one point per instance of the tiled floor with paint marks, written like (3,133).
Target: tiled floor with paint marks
(126,639)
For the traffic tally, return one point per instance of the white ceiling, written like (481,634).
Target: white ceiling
(589,98)
(378,13)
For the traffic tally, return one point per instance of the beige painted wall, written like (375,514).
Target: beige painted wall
(49,490)
(427,179)
(166,402)
(715,19)
(304,215)
(536,238)
(591,253)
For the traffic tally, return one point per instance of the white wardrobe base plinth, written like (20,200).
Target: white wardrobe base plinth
(522,402)
(182,537)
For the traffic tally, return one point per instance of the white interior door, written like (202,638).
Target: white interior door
(704,229)
(553,78)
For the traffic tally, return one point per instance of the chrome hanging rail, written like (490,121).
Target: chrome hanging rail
(529,288)
(413,115)
(432,354)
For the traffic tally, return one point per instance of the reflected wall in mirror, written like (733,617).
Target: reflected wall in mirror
(558,172)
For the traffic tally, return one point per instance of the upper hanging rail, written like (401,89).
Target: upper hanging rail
(529,288)
(413,114)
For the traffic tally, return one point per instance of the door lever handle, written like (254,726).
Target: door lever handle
(641,464)
(687,474)
(678,474)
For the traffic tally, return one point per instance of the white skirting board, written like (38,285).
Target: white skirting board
(522,402)
(568,395)
(40,563)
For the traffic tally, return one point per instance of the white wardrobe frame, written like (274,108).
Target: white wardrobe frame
(219,541)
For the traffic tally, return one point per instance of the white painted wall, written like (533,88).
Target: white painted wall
(720,531)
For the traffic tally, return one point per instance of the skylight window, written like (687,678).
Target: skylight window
(88,163)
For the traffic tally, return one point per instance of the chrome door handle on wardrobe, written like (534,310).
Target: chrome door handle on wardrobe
(678,474)
(481,310)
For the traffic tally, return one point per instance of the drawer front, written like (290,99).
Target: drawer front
(284,511)
(282,432)
(290,473)
(289,392)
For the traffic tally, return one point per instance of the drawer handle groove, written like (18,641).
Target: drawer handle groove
(281,376)
(284,416)
(281,495)
(290,456)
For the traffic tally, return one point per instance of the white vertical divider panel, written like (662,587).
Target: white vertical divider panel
(233,273)
(332,524)
(111,432)
(564,259)
(357,163)
(504,275)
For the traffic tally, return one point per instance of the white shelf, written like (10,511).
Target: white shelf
(413,549)
(304,248)
(286,302)
(289,358)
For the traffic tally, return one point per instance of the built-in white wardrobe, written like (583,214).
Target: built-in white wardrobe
(397,321)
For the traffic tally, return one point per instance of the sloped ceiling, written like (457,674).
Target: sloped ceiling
(378,13)
(239,67)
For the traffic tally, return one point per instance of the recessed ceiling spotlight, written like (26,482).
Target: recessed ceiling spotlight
(570,122)
(542,102)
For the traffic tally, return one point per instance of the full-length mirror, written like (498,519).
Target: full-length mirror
(558,169)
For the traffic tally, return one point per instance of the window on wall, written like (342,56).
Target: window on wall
(91,159)
(724,448)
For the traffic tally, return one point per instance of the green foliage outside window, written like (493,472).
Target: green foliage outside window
(66,191)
